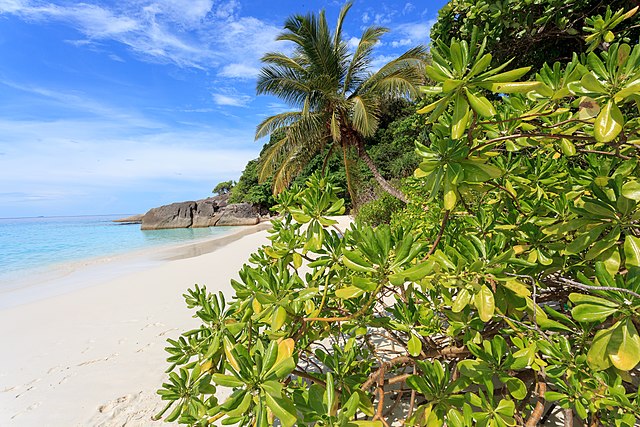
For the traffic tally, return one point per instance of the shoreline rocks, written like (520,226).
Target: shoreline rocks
(210,212)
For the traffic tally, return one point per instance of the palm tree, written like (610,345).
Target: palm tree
(337,98)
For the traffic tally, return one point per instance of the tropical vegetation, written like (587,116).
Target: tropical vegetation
(337,97)
(506,291)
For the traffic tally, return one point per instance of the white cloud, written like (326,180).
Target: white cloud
(408,7)
(100,153)
(402,42)
(366,18)
(352,43)
(189,33)
(380,60)
(415,32)
(232,100)
(239,71)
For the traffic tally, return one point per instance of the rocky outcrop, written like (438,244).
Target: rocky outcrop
(214,211)
(239,214)
(175,215)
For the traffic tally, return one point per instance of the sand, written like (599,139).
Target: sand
(91,353)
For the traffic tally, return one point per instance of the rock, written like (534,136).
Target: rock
(239,214)
(202,213)
(175,215)
(134,219)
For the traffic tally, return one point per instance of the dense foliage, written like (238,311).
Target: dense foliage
(509,284)
(533,32)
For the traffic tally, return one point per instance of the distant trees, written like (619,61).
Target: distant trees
(224,187)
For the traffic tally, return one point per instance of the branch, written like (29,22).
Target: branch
(400,360)
(538,411)
(596,288)
(445,218)
(529,135)
(306,376)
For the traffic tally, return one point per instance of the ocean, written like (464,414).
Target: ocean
(31,245)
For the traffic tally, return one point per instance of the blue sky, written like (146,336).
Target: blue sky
(117,107)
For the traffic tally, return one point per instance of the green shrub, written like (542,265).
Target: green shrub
(378,211)
(511,280)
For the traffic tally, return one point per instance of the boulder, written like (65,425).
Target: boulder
(239,214)
(175,215)
(201,213)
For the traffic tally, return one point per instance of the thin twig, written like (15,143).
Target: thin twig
(596,288)
(445,218)
(309,377)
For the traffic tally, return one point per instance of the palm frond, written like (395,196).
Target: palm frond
(284,83)
(362,57)
(337,35)
(276,122)
(364,118)
(399,77)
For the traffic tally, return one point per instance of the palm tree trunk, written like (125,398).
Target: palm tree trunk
(386,186)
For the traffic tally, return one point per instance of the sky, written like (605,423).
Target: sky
(121,106)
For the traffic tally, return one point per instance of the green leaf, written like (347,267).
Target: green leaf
(609,123)
(631,190)
(461,301)
(632,251)
(460,117)
(226,380)
(414,346)
(624,346)
(590,299)
(278,318)
(412,274)
(349,292)
(282,408)
(485,303)
(508,76)
(242,407)
(365,283)
(480,105)
(597,356)
(592,312)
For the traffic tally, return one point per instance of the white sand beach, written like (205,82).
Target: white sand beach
(94,356)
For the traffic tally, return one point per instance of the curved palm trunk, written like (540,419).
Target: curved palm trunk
(386,186)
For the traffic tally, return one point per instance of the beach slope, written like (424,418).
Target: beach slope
(95,356)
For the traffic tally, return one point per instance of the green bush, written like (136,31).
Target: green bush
(379,210)
(510,281)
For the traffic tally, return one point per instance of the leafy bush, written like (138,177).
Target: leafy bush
(379,210)
(511,280)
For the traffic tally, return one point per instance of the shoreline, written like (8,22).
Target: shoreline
(68,276)
(94,355)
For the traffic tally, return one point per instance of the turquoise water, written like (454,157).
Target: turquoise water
(31,244)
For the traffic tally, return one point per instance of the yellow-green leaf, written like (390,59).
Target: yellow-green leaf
(349,292)
(631,190)
(624,346)
(597,355)
(485,303)
(609,123)
(278,318)
(460,117)
(461,301)
(414,346)
(632,251)
(480,104)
